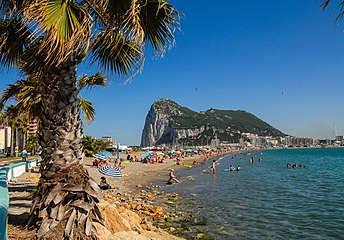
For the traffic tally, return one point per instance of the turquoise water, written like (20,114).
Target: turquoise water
(266,200)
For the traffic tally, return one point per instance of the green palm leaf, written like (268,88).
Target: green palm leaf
(154,21)
(117,53)
(87,109)
(96,79)
(64,26)
(65,16)
(14,37)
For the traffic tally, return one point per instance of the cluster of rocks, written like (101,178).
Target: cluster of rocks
(158,209)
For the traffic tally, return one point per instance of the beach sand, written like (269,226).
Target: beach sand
(137,173)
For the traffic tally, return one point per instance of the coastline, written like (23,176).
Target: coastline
(138,201)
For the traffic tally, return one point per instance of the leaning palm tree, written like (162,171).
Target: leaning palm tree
(61,34)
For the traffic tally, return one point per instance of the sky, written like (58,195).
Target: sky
(282,61)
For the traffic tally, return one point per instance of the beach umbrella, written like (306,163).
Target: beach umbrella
(99,156)
(110,171)
(106,154)
(134,152)
(144,154)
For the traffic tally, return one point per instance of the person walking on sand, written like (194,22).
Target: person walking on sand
(213,168)
(172,177)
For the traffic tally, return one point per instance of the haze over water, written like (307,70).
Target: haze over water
(267,200)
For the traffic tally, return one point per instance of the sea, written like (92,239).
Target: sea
(266,200)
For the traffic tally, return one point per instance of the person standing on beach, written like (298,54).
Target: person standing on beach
(24,155)
(213,168)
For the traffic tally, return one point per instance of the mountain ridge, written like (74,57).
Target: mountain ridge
(172,124)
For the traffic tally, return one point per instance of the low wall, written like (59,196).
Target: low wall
(7,173)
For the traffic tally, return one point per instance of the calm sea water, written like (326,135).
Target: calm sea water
(267,200)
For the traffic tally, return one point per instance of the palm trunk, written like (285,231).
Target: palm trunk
(24,138)
(65,202)
(12,141)
(17,142)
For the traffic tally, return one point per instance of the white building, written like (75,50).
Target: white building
(5,138)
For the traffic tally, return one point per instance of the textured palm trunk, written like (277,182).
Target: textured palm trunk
(64,205)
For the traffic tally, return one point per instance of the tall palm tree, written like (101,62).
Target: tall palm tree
(60,34)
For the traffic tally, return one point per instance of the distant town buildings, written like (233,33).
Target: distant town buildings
(108,140)
(339,138)
(254,140)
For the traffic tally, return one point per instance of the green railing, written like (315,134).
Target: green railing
(7,173)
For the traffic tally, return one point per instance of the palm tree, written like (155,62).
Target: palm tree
(51,37)
(12,121)
(28,99)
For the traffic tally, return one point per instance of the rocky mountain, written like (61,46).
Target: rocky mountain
(171,124)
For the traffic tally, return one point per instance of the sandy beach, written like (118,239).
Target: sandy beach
(138,206)
(141,173)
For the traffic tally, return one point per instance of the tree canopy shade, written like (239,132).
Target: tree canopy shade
(49,38)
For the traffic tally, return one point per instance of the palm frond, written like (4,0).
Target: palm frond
(14,38)
(10,7)
(27,94)
(87,109)
(116,53)
(11,92)
(339,9)
(96,79)
(63,25)
(153,21)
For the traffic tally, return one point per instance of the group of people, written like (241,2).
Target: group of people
(117,163)
(294,165)
(232,168)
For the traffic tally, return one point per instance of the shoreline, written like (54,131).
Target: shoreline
(137,201)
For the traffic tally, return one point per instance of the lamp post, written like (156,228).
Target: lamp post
(117,150)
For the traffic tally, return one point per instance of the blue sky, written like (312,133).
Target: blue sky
(280,60)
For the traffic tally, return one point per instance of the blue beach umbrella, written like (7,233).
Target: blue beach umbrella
(144,154)
(99,156)
(110,171)
(106,154)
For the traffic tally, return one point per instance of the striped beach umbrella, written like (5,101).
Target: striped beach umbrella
(99,156)
(110,171)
